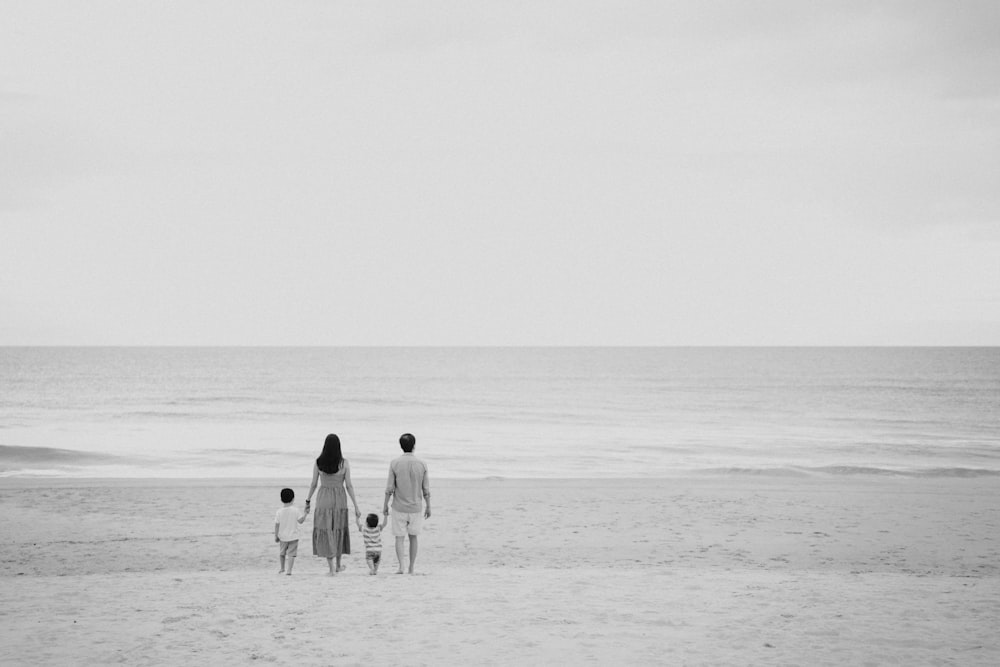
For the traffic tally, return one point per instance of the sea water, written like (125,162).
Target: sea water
(500,412)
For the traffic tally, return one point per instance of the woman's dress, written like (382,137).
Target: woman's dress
(331,532)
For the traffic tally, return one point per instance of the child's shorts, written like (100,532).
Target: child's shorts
(373,557)
(288,549)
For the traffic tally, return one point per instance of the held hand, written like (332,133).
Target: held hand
(357,512)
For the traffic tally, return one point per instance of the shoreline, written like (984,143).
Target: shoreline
(32,482)
(818,474)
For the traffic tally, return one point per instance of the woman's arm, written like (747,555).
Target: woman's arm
(350,487)
(312,487)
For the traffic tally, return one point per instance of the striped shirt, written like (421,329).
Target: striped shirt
(373,538)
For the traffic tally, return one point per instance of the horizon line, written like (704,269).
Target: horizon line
(501,346)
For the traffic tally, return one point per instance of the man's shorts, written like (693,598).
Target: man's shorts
(406,523)
(288,549)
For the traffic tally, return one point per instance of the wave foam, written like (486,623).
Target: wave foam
(843,470)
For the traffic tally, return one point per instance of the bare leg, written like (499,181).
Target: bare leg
(399,553)
(281,559)
(340,567)
(291,563)
(329,563)
(413,551)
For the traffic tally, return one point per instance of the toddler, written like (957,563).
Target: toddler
(286,530)
(371,531)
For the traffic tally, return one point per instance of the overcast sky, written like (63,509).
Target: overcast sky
(500,173)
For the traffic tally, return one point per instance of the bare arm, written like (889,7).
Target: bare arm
(312,487)
(276,533)
(426,488)
(350,487)
(390,486)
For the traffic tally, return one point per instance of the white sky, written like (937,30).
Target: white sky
(499,173)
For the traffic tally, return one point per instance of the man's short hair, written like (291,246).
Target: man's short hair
(287,495)
(406,441)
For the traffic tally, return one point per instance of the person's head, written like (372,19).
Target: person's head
(287,496)
(372,520)
(407,441)
(330,459)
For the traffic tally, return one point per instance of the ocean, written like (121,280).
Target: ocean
(500,412)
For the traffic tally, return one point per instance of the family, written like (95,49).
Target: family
(407,486)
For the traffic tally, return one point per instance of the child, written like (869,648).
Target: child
(372,533)
(286,531)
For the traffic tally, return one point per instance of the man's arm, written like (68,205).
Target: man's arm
(390,488)
(425,487)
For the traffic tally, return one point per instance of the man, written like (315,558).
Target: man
(409,488)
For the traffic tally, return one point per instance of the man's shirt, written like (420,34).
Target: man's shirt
(408,483)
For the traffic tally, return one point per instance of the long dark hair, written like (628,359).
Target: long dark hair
(331,459)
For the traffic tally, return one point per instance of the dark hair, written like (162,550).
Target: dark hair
(372,520)
(287,495)
(406,441)
(331,459)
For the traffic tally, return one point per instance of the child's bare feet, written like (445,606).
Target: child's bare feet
(341,568)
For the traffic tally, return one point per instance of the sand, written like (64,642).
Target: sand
(733,570)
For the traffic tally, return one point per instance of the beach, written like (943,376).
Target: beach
(710,569)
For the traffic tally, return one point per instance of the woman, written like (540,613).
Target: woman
(331,534)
